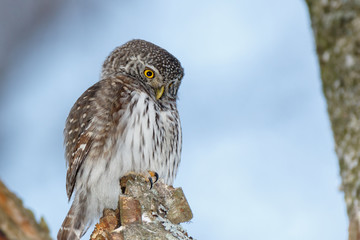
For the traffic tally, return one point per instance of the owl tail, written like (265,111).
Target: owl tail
(74,224)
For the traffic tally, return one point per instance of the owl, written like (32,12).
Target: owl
(126,122)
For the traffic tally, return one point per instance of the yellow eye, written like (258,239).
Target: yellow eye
(149,73)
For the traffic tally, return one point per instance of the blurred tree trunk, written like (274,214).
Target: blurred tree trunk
(19,20)
(336,26)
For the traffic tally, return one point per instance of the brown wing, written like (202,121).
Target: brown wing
(78,139)
(102,103)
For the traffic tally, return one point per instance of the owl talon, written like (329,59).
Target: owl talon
(151,182)
(152,175)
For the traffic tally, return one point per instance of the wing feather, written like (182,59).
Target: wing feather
(78,138)
(92,119)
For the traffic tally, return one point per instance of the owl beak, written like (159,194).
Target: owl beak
(159,92)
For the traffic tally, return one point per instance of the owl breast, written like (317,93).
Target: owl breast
(148,138)
(145,137)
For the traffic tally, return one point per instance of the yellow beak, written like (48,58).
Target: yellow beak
(159,92)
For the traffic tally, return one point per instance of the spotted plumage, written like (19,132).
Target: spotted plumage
(128,121)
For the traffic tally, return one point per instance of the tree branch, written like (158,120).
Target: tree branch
(145,213)
(17,222)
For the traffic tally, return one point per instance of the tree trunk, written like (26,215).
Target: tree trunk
(336,26)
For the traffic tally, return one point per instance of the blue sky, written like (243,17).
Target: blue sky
(258,154)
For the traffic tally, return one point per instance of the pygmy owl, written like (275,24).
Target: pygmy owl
(126,122)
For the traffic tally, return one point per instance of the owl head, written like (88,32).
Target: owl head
(155,67)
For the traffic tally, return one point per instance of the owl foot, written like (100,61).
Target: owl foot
(153,175)
(149,176)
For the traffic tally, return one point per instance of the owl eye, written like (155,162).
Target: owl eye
(149,73)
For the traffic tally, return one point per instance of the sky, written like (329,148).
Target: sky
(258,158)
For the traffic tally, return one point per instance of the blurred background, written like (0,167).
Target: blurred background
(258,156)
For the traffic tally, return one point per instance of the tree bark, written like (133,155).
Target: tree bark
(336,27)
(17,222)
(145,213)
